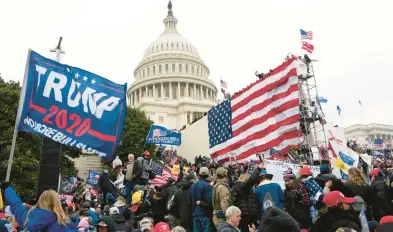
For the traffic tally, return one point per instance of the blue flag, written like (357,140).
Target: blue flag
(93,178)
(322,100)
(339,110)
(71,106)
(161,135)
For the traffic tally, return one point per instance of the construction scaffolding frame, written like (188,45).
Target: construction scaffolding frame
(312,118)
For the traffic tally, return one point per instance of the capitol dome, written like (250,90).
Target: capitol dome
(172,83)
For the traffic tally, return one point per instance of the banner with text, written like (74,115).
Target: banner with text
(161,135)
(93,178)
(343,158)
(72,106)
(277,169)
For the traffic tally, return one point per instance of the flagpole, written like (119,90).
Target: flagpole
(18,116)
(361,113)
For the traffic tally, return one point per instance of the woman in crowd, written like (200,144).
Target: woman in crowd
(246,199)
(47,215)
(358,186)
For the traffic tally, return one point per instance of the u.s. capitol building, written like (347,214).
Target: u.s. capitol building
(172,83)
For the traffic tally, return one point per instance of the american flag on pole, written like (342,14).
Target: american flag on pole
(264,115)
(224,85)
(306,34)
(378,143)
(162,174)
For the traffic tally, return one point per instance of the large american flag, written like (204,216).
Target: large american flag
(264,115)
(162,174)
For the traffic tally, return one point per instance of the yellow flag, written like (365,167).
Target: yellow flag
(340,164)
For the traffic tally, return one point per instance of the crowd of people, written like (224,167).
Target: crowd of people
(210,197)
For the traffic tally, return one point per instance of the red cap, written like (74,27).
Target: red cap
(146,153)
(386,219)
(305,171)
(335,197)
(374,172)
(162,227)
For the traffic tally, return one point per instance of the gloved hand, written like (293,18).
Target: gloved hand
(4,185)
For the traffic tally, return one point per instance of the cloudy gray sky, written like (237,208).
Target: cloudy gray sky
(353,41)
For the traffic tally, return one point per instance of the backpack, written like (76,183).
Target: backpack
(171,204)
(232,195)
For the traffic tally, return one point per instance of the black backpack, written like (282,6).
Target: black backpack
(171,204)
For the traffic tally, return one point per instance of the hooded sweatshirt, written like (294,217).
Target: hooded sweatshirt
(110,222)
(226,227)
(39,219)
(274,219)
(121,224)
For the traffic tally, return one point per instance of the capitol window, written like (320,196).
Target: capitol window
(166,67)
(161,119)
(192,69)
(159,69)
(186,68)
(143,73)
(148,71)
(180,68)
(154,70)
(173,67)
(197,71)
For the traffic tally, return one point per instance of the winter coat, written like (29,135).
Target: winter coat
(365,192)
(106,185)
(201,191)
(381,205)
(130,170)
(245,198)
(297,204)
(119,181)
(221,195)
(226,227)
(38,219)
(143,168)
(182,205)
(121,224)
(158,208)
(275,191)
(336,218)
(110,222)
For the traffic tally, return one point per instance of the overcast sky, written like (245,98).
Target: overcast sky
(353,41)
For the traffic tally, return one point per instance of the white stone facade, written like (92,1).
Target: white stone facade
(172,83)
(373,131)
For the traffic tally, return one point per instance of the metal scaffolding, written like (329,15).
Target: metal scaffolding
(312,118)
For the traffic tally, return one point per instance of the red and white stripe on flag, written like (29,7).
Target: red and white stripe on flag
(309,35)
(308,47)
(264,115)
(161,180)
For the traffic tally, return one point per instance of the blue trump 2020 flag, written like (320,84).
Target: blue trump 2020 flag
(71,106)
(161,135)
